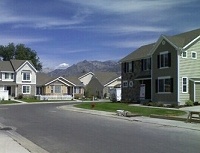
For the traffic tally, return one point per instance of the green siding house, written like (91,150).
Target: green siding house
(166,71)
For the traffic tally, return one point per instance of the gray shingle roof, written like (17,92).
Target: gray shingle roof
(179,40)
(105,77)
(139,53)
(43,78)
(74,80)
(6,66)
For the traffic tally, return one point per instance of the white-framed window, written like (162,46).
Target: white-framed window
(26,89)
(125,84)
(26,76)
(164,85)
(184,85)
(146,64)
(184,54)
(7,75)
(194,55)
(164,60)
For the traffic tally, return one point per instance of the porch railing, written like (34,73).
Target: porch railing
(54,97)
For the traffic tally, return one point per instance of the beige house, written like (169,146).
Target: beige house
(59,86)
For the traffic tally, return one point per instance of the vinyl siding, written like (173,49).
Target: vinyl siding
(168,98)
(189,68)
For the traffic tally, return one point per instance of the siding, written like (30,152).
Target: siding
(190,68)
(168,98)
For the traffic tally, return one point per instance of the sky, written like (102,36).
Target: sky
(64,32)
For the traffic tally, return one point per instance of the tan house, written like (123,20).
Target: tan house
(59,86)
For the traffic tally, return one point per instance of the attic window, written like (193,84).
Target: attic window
(184,54)
(194,55)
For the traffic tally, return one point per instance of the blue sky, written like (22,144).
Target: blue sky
(64,32)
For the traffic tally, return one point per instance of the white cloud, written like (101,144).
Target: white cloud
(62,66)
(130,43)
(6,39)
(128,6)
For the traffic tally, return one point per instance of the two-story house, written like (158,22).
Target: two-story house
(18,77)
(166,71)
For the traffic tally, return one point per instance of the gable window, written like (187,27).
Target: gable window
(184,84)
(164,60)
(146,64)
(184,54)
(26,89)
(26,76)
(125,84)
(194,55)
(164,85)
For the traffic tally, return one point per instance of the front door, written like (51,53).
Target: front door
(9,90)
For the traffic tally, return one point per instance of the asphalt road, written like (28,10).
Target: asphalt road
(61,131)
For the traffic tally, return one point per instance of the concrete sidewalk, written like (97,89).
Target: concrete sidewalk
(149,120)
(12,142)
(8,145)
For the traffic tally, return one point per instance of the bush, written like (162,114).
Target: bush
(20,96)
(189,103)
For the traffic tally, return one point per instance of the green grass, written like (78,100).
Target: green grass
(144,111)
(32,100)
(8,102)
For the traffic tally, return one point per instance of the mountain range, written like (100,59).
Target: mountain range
(87,66)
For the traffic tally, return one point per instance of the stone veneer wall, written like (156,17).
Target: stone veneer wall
(131,94)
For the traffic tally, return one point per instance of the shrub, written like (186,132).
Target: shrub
(20,96)
(189,103)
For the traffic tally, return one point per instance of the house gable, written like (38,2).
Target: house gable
(85,79)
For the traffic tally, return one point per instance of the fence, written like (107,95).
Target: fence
(55,97)
(3,94)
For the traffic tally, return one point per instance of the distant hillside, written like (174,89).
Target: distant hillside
(87,66)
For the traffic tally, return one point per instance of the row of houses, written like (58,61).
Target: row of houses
(166,71)
(19,77)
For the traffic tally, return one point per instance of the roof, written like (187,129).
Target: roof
(74,80)
(105,77)
(6,66)
(180,41)
(139,53)
(12,65)
(43,78)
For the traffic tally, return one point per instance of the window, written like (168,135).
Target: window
(164,85)
(146,64)
(26,89)
(194,55)
(164,60)
(128,67)
(125,84)
(26,76)
(51,89)
(184,84)
(184,54)
(57,89)
(7,75)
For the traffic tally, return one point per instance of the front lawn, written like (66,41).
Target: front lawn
(144,111)
(8,102)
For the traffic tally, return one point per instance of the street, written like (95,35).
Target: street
(61,131)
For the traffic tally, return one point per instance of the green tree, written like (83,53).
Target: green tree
(20,52)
